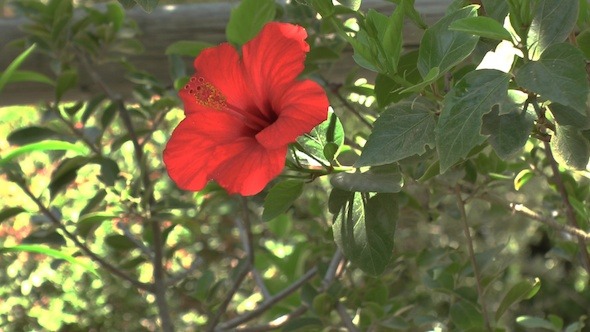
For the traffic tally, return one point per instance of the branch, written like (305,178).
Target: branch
(476,272)
(520,208)
(107,266)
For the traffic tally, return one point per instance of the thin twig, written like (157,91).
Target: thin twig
(160,279)
(107,266)
(276,323)
(260,283)
(520,208)
(79,134)
(569,209)
(267,304)
(243,225)
(346,319)
(474,265)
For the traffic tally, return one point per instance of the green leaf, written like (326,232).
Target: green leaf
(316,141)
(6,76)
(10,212)
(567,116)
(374,180)
(90,221)
(388,91)
(66,80)
(147,5)
(187,47)
(443,48)
(430,78)
(534,323)
(403,130)
(52,253)
(521,291)
(559,76)
(522,178)
(30,135)
(481,26)
(280,197)
(570,148)
(459,125)
(116,15)
(94,202)
(466,316)
(45,237)
(248,18)
(364,230)
(552,22)
(119,242)
(393,36)
(48,145)
(508,132)
(65,174)
(583,42)
(29,76)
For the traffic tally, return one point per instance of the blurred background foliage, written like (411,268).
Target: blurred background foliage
(106,194)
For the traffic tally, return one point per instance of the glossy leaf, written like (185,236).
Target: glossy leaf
(48,145)
(364,230)
(248,18)
(459,125)
(403,130)
(280,197)
(187,47)
(481,26)
(6,76)
(521,291)
(443,48)
(40,249)
(28,135)
(552,22)
(508,132)
(559,76)
(570,148)
(374,180)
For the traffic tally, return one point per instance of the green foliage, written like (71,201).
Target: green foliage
(248,18)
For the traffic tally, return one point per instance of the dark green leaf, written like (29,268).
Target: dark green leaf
(393,37)
(338,199)
(10,212)
(552,23)
(508,132)
(364,230)
(387,90)
(570,148)
(248,18)
(466,316)
(559,76)
(187,47)
(583,41)
(403,130)
(521,291)
(443,48)
(119,242)
(280,197)
(147,5)
(29,76)
(116,15)
(30,135)
(65,81)
(108,115)
(303,324)
(44,237)
(89,222)
(94,202)
(481,26)
(65,174)
(534,323)
(458,129)
(567,116)
(374,180)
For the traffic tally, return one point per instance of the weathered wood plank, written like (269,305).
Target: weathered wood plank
(167,24)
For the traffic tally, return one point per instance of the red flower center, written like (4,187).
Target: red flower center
(206,94)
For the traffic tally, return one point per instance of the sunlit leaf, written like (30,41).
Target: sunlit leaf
(520,291)
(48,145)
(570,147)
(459,125)
(552,22)
(6,76)
(481,26)
(403,130)
(40,249)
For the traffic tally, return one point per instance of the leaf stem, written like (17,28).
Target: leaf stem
(476,272)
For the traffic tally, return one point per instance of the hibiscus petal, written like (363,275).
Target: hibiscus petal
(250,168)
(302,106)
(274,58)
(190,154)
(220,67)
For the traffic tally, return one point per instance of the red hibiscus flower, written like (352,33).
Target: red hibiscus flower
(243,111)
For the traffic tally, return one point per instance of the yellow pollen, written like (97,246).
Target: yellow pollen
(206,93)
